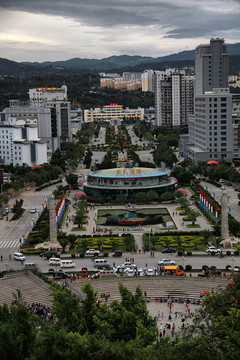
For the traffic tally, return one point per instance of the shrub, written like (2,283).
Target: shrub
(188,267)
(212,253)
(228,252)
(31,251)
(228,267)
(189,253)
(105,254)
(73,255)
(236,252)
(180,253)
(180,267)
(204,267)
(81,255)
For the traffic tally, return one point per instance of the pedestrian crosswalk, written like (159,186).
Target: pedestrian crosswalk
(13,243)
(234,201)
(38,207)
(38,193)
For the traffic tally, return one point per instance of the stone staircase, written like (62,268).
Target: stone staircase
(32,288)
(155,287)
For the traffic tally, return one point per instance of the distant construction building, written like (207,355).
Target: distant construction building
(148,80)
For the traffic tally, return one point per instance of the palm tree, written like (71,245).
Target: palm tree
(114,244)
(100,244)
(217,240)
(63,241)
(167,242)
(179,242)
(184,203)
(217,229)
(192,214)
(206,235)
(79,218)
(84,244)
(153,241)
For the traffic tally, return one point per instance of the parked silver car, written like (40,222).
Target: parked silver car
(166,262)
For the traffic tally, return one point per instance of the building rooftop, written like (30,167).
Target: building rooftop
(126,173)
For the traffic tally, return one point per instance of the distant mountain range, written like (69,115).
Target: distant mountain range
(112,63)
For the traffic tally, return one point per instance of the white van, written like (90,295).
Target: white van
(101,263)
(30,266)
(19,256)
(67,263)
(54,261)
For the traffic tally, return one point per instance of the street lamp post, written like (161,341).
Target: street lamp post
(149,240)
(183,261)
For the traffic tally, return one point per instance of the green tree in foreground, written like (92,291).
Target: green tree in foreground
(123,330)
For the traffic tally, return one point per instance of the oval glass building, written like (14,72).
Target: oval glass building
(112,182)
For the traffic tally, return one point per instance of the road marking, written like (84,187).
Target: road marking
(9,243)
(32,206)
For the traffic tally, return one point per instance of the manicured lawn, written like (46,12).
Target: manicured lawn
(105,243)
(189,242)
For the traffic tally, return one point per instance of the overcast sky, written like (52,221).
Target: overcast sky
(40,30)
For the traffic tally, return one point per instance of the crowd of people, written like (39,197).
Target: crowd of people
(44,312)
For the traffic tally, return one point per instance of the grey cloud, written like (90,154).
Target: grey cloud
(182,20)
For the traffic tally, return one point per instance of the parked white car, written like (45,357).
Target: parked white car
(150,272)
(92,252)
(129,272)
(166,262)
(141,272)
(213,250)
(127,264)
(236,269)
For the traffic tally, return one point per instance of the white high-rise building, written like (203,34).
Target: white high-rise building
(210,129)
(20,144)
(51,109)
(174,93)
(55,98)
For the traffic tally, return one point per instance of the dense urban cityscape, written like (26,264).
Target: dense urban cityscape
(120,198)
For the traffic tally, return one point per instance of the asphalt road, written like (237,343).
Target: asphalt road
(139,259)
(13,231)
